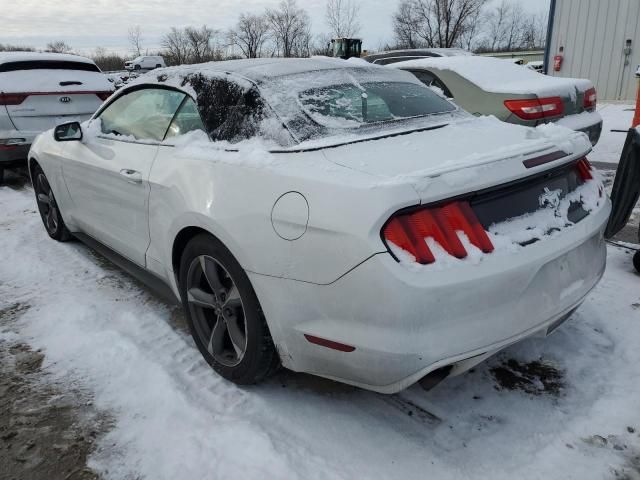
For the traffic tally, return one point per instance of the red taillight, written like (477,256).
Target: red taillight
(584,169)
(590,98)
(12,98)
(535,109)
(103,95)
(409,231)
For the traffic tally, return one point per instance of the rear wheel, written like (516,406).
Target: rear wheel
(636,261)
(223,313)
(48,207)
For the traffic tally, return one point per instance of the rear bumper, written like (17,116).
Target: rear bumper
(405,324)
(15,154)
(586,122)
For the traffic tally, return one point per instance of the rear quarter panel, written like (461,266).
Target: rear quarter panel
(232,198)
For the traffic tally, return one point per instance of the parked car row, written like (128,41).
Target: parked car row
(338,218)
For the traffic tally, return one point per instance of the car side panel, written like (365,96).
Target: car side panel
(234,200)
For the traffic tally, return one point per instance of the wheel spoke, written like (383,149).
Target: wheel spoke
(43,184)
(238,339)
(200,298)
(216,340)
(53,212)
(43,198)
(210,270)
(49,218)
(233,297)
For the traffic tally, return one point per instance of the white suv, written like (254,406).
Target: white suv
(41,90)
(145,63)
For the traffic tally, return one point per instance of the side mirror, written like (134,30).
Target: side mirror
(68,132)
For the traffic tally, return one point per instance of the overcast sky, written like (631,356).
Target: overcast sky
(87,24)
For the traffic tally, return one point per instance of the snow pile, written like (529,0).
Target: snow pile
(174,418)
(549,222)
(252,153)
(499,76)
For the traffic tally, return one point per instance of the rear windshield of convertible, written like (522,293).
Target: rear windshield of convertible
(351,105)
(360,100)
(48,65)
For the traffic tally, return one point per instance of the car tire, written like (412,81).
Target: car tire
(137,67)
(158,65)
(1,175)
(636,261)
(223,313)
(48,207)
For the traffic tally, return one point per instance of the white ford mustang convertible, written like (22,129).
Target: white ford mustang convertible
(337,218)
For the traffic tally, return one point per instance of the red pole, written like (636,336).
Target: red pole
(636,116)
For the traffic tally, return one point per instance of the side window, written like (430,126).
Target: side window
(229,111)
(143,114)
(186,120)
(430,80)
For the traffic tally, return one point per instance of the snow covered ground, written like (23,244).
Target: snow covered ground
(615,116)
(561,407)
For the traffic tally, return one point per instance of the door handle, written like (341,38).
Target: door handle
(132,176)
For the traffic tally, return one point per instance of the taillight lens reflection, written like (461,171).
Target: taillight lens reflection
(536,109)
(590,98)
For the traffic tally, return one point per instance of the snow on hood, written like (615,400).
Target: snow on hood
(499,76)
(465,143)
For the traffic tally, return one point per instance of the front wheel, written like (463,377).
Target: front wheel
(223,313)
(48,207)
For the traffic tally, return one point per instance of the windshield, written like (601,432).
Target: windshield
(356,101)
(351,106)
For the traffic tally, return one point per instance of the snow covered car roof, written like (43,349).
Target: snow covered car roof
(6,57)
(497,76)
(292,87)
(259,69)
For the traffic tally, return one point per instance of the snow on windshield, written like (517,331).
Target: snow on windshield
(323,103)
(351,105)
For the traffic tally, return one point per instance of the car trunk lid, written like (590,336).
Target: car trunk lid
(464,156)
(39,99)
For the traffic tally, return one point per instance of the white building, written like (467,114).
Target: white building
(598,40)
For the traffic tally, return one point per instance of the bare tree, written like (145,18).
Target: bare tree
(470,36)
(288,24)
(514,27)
(250,34)
(135,40)
(176,46)
(15,48)
(58,46)
(200,43)
(406,25)
(342,17)
(107,61)
(435,23)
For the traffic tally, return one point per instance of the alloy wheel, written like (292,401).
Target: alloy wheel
(47,203)
(217,310)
